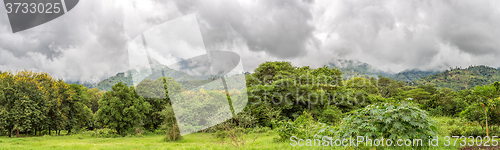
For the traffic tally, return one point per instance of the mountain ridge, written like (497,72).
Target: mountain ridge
(350,68)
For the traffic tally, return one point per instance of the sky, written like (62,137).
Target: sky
(91,42)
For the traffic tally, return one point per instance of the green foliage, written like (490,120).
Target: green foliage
(388,87)
(31,102)
(104,133)
(462,79)
(156,94)
(304,127)
(331,115)
(362,84)
(121,109)
(77,110)
(484,108)
(169,124)
(390,121)
(94,97)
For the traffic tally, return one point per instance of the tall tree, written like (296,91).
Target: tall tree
(76,110)
(121,109)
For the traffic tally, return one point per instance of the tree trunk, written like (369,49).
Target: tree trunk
(39,132)
(17,132)
(49,131)
(10,132)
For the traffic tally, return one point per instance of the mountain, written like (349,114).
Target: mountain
(460,79)
(136,75)
(411,75)
(106,84)
(191,73)
(352,68)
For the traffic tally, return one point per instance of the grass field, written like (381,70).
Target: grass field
(192,141)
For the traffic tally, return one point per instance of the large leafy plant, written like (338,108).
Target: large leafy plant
(394,121)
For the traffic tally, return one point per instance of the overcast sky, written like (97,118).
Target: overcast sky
(89,43)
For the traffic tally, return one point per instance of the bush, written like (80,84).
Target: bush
(389,120)
(456,131)
(331,115)
(106,133)
(303,127)
(160,132)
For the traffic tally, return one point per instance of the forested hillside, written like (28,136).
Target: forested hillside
(460,79)
(411,75)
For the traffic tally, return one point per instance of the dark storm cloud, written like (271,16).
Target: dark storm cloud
(471,26)
(90,42)
(280,28)
(398,35)
(86,44)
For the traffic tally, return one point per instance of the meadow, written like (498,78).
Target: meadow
(266,140)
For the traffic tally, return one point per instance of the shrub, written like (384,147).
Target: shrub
(303,127)
(331,115)
(160,131)
(455,131)
(105,133)
(389,120)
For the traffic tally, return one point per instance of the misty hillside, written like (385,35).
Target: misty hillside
(127,77)
(352,68)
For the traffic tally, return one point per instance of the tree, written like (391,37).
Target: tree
(363,84)
(419,95)
(486,99)
(156,93)
(94,96)
(21,101)
(121,109)
(267,71)
(76,109)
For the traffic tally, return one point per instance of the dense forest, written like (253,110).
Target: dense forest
(293,101)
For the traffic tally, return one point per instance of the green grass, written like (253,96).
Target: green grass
(192,141)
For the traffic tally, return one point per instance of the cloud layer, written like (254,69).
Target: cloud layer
(90,42)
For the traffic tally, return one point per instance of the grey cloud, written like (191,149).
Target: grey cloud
(280,28)
(399,35)
(89,43)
